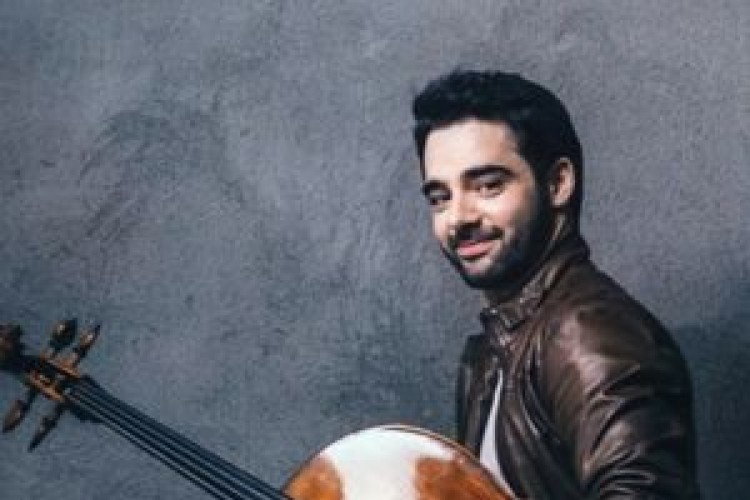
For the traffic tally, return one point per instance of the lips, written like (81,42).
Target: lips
(473,249)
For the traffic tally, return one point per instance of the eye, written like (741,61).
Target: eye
(491,186)
(437,198)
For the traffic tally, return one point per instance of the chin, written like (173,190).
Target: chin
(482,281)
(492,272)
(483,277)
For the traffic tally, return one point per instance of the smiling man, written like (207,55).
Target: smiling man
(573,390)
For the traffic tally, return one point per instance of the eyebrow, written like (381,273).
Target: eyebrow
(429,186)
(482,170)
(470,174)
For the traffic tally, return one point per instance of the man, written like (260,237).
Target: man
(573,390)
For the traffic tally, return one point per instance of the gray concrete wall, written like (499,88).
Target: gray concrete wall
(230,188)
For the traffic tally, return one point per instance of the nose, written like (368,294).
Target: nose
(461,212)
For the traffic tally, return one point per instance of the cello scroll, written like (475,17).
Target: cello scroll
(46,374)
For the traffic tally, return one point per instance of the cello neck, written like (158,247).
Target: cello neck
(207,470)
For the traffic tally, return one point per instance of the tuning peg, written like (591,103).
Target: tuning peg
(87,339)
(47,424)
(10,344)
(14,415)
(17,411)
(62,335)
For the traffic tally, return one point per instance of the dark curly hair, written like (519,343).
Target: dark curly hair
(541,124)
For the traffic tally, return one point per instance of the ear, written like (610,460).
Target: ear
(561,182)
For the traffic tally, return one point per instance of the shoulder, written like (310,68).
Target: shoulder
(616,390)
(597,335)
(591,312)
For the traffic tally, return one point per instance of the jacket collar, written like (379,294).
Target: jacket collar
(504,317)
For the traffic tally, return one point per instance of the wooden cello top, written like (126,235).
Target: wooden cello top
(394,463)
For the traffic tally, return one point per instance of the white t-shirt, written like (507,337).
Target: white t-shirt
(487,452)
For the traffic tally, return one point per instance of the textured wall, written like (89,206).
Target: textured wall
(229,187)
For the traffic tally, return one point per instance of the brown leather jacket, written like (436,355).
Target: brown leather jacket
(596,400)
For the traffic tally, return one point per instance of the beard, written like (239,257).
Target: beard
(518,256)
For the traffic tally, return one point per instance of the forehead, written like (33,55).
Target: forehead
(470,143)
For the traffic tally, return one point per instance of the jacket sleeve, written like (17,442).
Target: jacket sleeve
(620,397)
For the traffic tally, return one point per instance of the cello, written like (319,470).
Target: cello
(393,462)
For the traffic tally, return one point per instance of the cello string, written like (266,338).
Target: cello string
(161,432)
(179,458)
(196,468)
(149,448)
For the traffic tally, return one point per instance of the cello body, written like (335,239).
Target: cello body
(394,463)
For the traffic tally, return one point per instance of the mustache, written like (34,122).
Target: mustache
(472,234)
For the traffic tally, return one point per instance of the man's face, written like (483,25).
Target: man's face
(487,212)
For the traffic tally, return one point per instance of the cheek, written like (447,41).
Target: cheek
(439,228)
(512,210)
